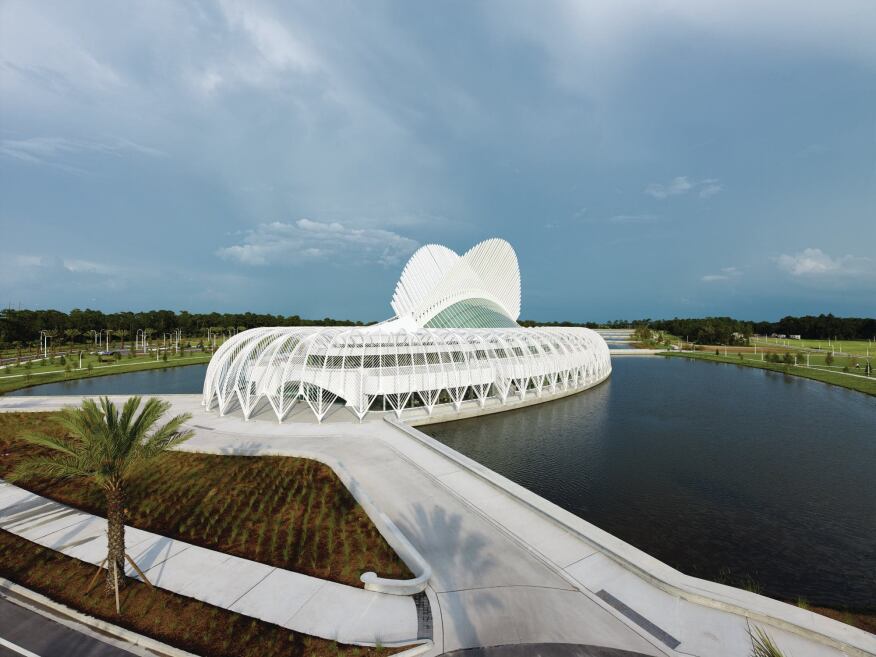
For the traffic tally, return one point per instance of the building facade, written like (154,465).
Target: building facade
(453,341)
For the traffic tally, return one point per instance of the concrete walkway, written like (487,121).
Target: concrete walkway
(509,567)
(292,600)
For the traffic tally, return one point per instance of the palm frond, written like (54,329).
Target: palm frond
(129,410)
(166,437)
(43,440)
(51,467)
(151,413)
(103,443)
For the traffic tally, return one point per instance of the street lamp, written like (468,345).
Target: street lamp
(44,343)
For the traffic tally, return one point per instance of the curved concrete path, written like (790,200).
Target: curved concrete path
(289,599)
(505,570)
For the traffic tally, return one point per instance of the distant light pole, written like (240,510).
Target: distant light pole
(44,343)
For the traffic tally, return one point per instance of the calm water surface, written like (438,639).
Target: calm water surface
(725,472)
(187,379)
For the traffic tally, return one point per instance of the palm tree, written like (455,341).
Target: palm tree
(105,446)
(71,334)
(122,333)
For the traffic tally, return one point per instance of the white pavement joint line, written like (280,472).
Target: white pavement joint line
(306,602)
(577,561)
(846,638)
(16,648)
(88,621)
(237,599)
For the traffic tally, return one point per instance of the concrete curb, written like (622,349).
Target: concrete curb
(90,621)
(129,636)
(388,529)
(761,609)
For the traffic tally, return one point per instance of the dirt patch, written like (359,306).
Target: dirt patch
(183,622)
(287,512)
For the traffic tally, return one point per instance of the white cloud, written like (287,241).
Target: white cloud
(90,267)
(589,45)
(28,269)
(709,187)
(815,263)
(726,274)
(42,150)
(681,185)
(278,243)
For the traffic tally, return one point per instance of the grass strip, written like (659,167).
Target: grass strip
(229,504)
(861,384)
(174,619)
(17,379)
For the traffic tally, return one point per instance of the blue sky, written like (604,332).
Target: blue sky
(645,159)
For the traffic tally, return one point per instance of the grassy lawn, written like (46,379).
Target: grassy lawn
(15,377)
(286,512)
(183,622)
(833,377)
(859,347)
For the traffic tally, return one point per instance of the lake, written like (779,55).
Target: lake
(725,472)
(730,473)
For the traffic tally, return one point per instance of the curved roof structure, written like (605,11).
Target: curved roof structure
(399,369)
(454,340)
(435,279)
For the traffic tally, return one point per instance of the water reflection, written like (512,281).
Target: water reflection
(188,379)
(723,471)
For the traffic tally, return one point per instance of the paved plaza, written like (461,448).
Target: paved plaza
(508,567)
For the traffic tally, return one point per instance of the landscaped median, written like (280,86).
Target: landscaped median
(867,385)
(17,377)
(290,513)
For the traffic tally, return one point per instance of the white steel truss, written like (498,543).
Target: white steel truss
(422,368)
(423,357)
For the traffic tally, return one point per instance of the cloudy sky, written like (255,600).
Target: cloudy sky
(645,159)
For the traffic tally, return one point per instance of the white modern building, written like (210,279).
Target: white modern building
(453,341)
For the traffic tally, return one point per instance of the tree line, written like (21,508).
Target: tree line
(726,330)
(22,327)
